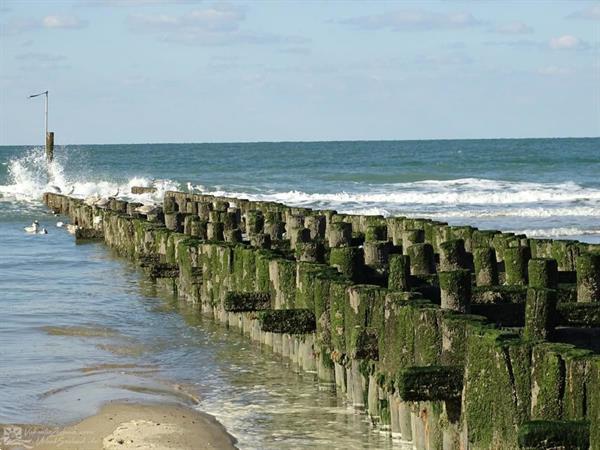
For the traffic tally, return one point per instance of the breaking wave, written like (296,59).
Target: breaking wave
(539,209)
(29,176)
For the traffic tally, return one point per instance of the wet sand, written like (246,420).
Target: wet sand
(126,426)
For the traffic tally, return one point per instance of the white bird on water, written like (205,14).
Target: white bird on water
(43,231)
(33,228)
(60,224)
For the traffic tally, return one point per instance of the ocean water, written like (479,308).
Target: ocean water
(81,326)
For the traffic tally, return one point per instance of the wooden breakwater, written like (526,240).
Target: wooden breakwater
(447,336)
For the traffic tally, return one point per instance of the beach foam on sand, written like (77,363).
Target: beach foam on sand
(128,426)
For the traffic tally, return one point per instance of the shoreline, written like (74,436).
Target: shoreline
(126,425)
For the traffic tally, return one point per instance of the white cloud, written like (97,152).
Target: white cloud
(412,20)
(62,22)
(591,13)
(50,22)
(216,25)
(134,3)
(566,42)
(219,18)
(512,28)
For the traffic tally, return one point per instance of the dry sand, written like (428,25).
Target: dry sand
(126,426)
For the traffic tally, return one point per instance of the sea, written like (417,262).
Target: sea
(81,326)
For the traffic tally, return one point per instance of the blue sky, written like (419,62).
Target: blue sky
(136,71)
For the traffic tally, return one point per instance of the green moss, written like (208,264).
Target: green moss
(548,382)
(339,234)
(412,237)
(498,294)
(452,255)
(289,321)
(540,313)
(399,272)
(363,343)
(578,382)
(263,281)
(565,253)
(254,221)
(338,299)
(430,383)
(247,301)
(541,248)
(543,273)
(588,277)
(483,238)
(307,274)
(455,287)
(310,251)
(321,301)
(515,265)
(486,268)
(491,409)
(248,269)
(545,434)
(363,309)
(579,314)
(501,242)
(376,233)
(453,328)
(464,233)
(348,260)
(422,260)
(287,281)
(428,337)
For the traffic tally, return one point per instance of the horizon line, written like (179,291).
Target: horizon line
(308,141)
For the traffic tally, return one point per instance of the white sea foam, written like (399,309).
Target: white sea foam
(30,176)
(558,232)
(466,191)
(567,208)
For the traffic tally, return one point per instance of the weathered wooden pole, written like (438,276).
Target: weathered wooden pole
(50,146)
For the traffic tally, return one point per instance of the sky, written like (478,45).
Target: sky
(140,71)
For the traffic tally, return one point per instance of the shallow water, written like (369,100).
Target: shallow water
(81,326)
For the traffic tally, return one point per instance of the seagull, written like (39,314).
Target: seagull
(190,187)
(72,189)
(43,231)
(101,203)
(33,228)
(60,224)
(55,189)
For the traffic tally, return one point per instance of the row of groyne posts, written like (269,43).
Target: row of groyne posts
(448,337)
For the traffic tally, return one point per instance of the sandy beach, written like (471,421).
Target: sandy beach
(125,426)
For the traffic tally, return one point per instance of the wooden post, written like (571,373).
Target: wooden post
(50,146)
